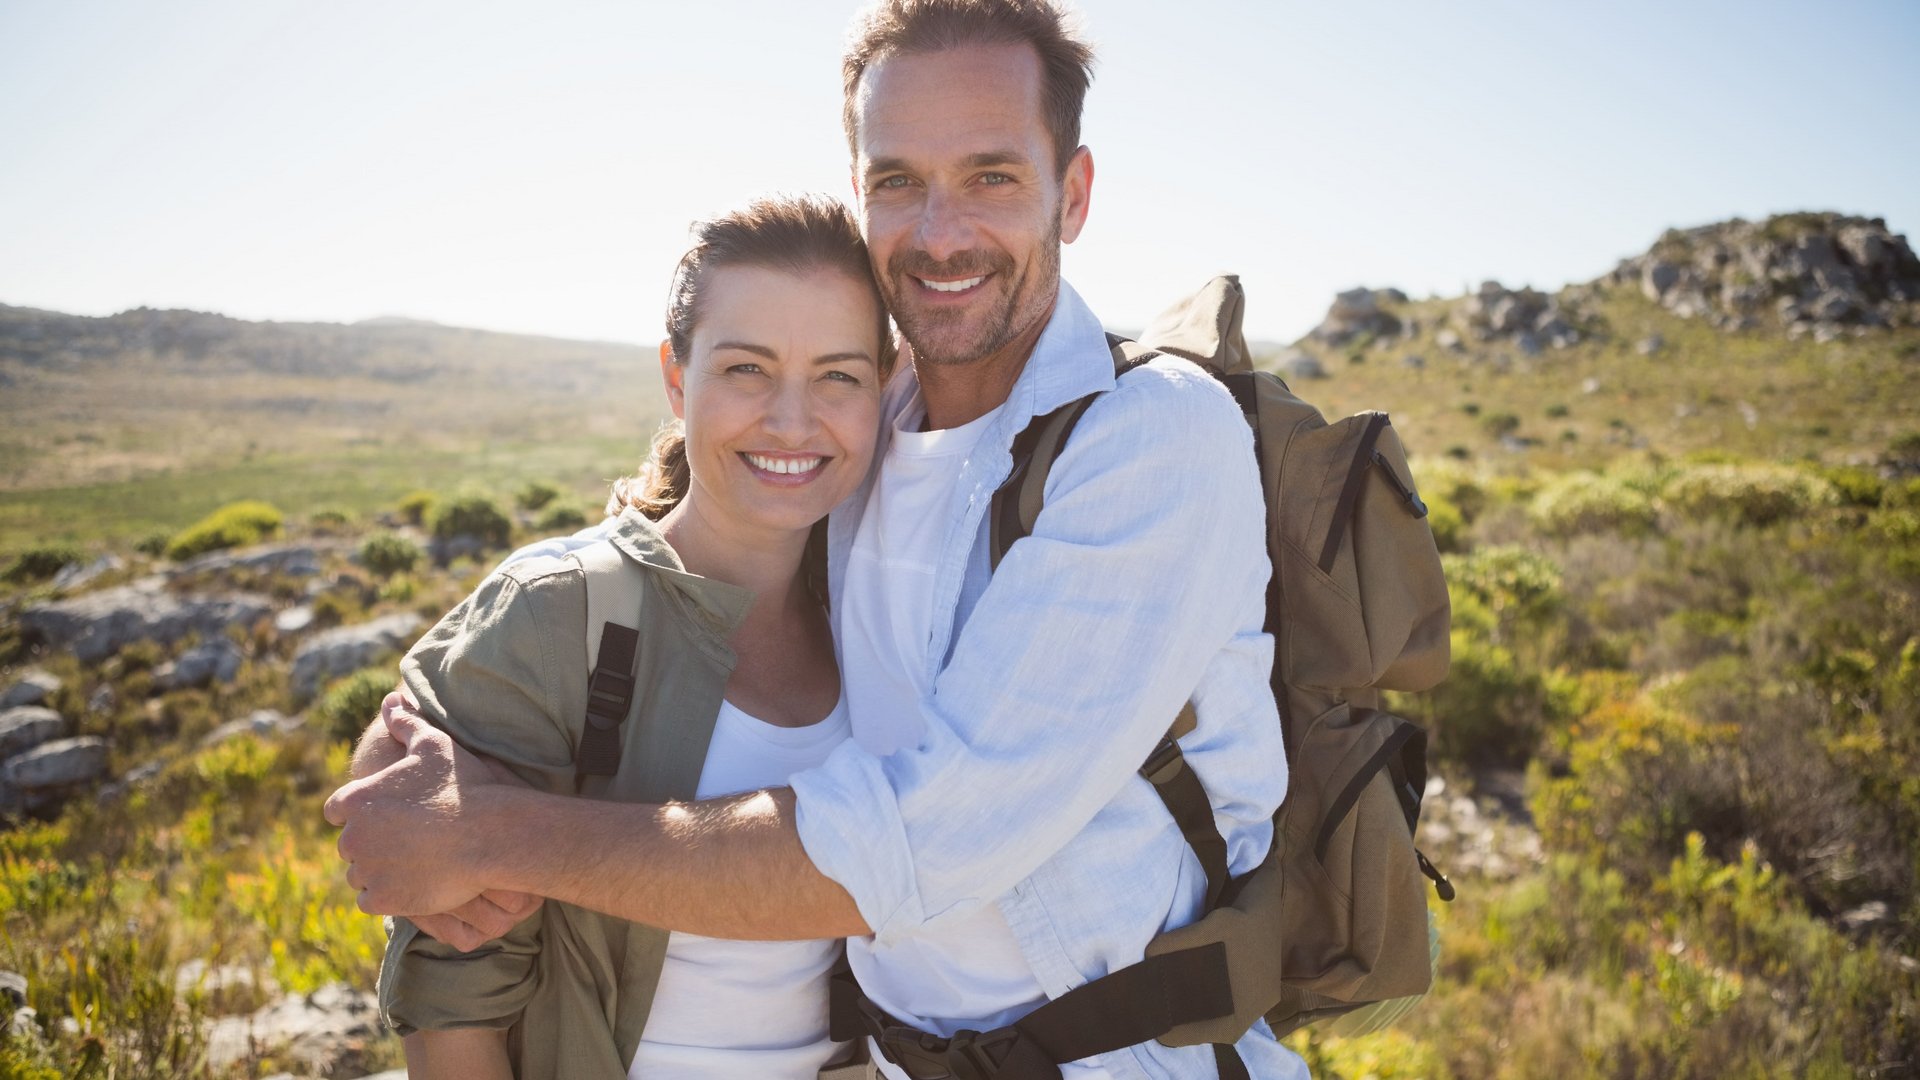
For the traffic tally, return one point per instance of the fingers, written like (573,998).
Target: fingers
(517,904)
(450,930)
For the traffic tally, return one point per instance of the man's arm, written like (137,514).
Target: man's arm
(1094,632)
(476,922)
(436,830)
(463,1054)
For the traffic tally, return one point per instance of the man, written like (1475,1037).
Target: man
(985,841)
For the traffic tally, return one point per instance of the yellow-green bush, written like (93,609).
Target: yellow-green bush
(42,562)
(562,518)
(348,704)
(388,554)
(1579,503)
(416,506)
(1753,494)
(474,515)
(233,525)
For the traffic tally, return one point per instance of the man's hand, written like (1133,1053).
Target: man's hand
(408,832)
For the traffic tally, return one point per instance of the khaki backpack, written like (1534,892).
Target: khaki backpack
(1334,922)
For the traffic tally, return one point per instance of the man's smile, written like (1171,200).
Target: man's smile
(962,285)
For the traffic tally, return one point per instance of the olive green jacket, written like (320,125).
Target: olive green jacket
(506,674)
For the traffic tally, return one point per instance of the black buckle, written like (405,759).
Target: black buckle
(967,1055)
(607,695)
(974,1055)
(1164,763)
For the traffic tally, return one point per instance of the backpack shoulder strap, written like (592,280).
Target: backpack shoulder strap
(1017,502)
(614,589)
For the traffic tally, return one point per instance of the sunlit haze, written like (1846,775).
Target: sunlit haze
(534,168)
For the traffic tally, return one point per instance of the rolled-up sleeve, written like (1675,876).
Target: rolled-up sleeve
(1147,562)
(483,674)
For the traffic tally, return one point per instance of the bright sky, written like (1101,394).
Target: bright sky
(534,167)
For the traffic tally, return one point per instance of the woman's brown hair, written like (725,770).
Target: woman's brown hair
(794,233)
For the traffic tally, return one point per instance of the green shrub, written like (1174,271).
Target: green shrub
(1856,486)
(1557,411)
(1520,588)
(1903,453)
(560,519)
(417,506)
(535,495)
(1500,425)
(41,563)
(475,515)
(233,525)
(1448,525)
(348,704)
(154,544)
(1755,494)
(388,554)
(1471,408)
(1577,503)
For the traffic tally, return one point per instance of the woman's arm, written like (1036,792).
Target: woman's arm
(466,1054)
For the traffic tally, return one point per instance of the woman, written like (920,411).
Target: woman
(777,347)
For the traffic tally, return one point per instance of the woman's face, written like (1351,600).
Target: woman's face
(780,397)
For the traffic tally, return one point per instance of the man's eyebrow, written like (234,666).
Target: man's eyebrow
(876,166)
(988,159)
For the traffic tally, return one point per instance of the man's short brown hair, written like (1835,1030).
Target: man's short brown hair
(891,27)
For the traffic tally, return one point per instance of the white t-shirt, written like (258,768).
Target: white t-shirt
(727,1009)
(974,972)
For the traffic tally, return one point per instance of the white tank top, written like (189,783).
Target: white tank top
(728,1009)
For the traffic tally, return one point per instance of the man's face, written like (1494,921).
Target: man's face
(963,208)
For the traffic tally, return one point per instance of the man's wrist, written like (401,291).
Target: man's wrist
(492,820)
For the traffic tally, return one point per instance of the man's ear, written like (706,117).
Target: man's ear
(674,376)
(1076,194)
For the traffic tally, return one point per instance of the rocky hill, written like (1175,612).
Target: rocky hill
(1806,274)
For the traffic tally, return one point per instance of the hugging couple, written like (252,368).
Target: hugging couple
(927,764)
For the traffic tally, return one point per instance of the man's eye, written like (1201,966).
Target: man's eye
(995,179)
(893,182)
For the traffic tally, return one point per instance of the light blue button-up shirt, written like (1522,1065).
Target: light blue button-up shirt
(1142,587)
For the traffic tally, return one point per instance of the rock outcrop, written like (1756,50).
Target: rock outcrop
(33,687)
(1822,274)
(217,660)
(344,649)
(48,774)
(97,625)
(24,727)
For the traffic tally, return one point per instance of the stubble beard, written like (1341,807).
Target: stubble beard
(942,338)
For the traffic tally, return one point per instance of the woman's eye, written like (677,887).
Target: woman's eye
(842,376)
(743,369)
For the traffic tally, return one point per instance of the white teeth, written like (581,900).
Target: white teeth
(784,466)
(953,286)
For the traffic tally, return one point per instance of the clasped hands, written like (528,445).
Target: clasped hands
(412,836)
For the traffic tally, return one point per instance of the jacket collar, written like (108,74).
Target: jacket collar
(638,536)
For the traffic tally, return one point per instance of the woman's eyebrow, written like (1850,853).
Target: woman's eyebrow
(840,357)
(743,346)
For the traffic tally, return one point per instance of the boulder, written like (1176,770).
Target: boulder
(97,625)
(80,575)
(1449,341)
(324,1031)
(1650,345)
(263,722)
(295,560)
(46,775)
(24,727)
(215,660)
(1657,278)
(1296,364)
(34,687)
(344,649)
(1414,361)
(294,619)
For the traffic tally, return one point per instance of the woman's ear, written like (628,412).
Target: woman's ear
(674,375)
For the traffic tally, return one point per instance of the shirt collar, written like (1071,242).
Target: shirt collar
(638,536)
(1070,361)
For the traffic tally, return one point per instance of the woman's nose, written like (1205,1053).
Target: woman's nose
(790,413)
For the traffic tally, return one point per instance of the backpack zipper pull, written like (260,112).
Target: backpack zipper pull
(1440,883)
(1414,505)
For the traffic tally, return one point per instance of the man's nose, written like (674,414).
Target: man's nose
(943,229)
